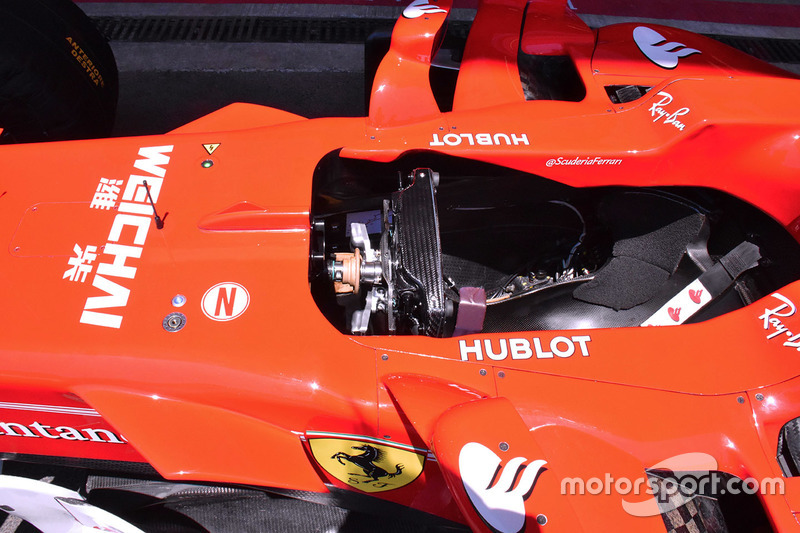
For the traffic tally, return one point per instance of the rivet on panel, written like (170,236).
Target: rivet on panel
(174,322)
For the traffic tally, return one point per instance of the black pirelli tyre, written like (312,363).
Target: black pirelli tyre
(58,77)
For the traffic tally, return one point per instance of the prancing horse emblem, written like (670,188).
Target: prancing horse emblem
(366,461)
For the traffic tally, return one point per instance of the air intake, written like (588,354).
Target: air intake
(706,502)
(789,448)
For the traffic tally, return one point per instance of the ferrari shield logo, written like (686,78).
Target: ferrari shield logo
(368,466)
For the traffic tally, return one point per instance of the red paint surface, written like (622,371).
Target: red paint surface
(698,10)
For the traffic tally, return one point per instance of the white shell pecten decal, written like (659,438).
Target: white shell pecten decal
(654,46)
(417,8)
(502,506)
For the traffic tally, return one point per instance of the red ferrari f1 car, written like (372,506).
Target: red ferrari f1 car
(551,287)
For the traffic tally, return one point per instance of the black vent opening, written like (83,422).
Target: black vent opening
(789,448)
(550,78)
(707,502)
(621,94)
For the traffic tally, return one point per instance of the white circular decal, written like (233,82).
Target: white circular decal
(225,301)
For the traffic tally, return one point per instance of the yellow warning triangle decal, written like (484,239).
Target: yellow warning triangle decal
(211,147)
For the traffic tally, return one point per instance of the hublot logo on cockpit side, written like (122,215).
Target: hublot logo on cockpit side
(522,348)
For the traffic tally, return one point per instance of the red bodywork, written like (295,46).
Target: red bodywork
(242,392)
